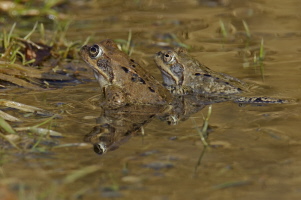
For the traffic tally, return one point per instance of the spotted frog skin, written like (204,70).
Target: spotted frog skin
(121,79)
(184,75)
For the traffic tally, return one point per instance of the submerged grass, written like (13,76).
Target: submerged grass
(203,133)
(227,31)
(77,174)
(258,60)
(13,136)
(246,27)
(232,184)
(224,31)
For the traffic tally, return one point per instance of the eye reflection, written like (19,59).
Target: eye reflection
(100,148)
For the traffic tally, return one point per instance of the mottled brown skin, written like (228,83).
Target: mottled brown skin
(182,74)
(122,80)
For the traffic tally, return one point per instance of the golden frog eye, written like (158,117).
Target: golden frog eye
(168,58)
(95,51)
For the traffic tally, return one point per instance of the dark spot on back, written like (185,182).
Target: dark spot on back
(141,80)
(126,70)
(208,75)
(134,77)
(197,74)
(132,63)
(151,89)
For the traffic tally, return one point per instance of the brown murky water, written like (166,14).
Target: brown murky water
(256,149)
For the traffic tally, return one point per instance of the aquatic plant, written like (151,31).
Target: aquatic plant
(126,45)
(203,133)
(16,52)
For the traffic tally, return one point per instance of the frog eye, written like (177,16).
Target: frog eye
(95,51)
(168,58)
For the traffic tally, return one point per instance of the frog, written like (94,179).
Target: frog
(184,75)
(121,79)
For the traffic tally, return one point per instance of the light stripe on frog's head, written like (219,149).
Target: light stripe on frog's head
(165,60)
(91,55)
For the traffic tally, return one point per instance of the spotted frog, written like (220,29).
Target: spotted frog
(122,80)
(184,75)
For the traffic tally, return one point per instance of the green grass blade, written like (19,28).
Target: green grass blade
(9,36)
(246,28)
(81,173)
(261,51)
(223,29)
(6,126)
(31,32)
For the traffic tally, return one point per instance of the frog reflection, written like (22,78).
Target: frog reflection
(116,126)
(105,138)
